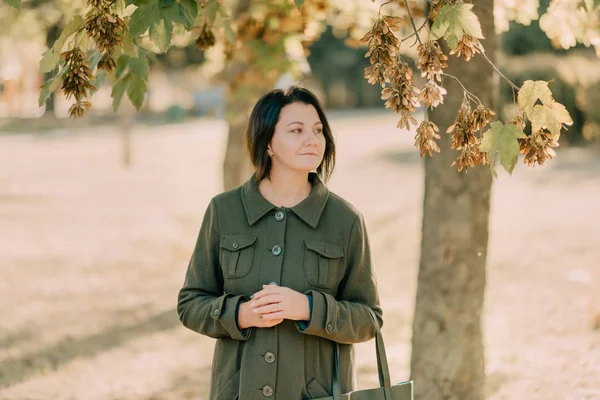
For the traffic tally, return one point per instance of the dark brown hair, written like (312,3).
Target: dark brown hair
(264,118)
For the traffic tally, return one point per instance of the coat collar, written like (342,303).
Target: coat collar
(308,210)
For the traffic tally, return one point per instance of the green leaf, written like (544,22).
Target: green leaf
(45,92)
(531,92)
(118,89)
(190,12)
(122,63)
(14,3)
(129,48)
(452,41)
(51,85)
(161,35)
(93,58)
(73,26)
(139,66)
(99,80)
(49,61)
(211,10)
(136,90)
(165,3)
(230,34)
(454,21)
(502,139)
(299,3)
(146,15)
(51,57)
(174,13)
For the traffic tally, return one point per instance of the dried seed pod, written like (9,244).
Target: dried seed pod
(480,117)
(107,63)
(432,60)
(76,81)
(538,147)
(424,139)
(383,48)
(468,46)
(432,94)
(206,38)
(99,4)
(401,95)
(461,130)
(106,29)
(78,109)
(376,74)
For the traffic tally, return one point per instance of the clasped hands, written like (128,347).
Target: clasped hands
(271,305)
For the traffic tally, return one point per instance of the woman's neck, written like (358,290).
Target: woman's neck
(285,190)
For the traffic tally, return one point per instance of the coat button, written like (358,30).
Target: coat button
(279,215)
(267,391)
(276,250)
(329,327)
(217,311)
(273,283)
(236,245)
(270,357)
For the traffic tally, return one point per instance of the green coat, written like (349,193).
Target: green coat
(320,248)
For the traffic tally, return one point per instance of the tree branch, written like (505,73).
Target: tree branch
(464,88)
(500,73)
(412,21)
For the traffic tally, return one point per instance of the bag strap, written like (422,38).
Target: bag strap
(382,366)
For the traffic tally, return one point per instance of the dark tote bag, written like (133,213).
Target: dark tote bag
(399,391)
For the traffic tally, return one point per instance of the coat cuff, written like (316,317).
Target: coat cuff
(224,311)
(301,325)
(322,319)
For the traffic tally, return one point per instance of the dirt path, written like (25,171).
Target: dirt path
(92,257)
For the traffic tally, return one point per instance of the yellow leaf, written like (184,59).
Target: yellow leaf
(550,117)
(561,113)
(531,92)
(542,117)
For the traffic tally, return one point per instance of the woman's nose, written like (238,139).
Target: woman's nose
(312,139)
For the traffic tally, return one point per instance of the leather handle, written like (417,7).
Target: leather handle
(383,369)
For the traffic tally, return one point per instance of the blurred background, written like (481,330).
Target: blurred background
(99,215)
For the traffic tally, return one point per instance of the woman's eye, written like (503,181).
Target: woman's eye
(298,130)
(319,130)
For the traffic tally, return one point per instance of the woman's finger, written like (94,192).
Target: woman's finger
(268,308)
(272,316)
(264,300)
(267,289)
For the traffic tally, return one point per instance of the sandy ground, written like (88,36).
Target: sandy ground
(92,257)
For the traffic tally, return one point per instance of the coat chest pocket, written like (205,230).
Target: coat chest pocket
(322,263)
(236,255)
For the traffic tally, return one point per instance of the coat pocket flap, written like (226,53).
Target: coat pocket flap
(316,390)
(327,250)
(237,242)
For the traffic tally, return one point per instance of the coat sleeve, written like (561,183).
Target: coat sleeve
(354,314)
(202,304)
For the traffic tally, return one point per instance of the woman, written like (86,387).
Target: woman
(282,268)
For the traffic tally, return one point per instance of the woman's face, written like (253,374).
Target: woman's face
(298,143)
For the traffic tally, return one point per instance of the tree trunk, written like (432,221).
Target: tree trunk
(236,166)
(126,122)
(447,346)
(247,82)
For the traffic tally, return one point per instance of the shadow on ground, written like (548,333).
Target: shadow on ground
(13,371)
